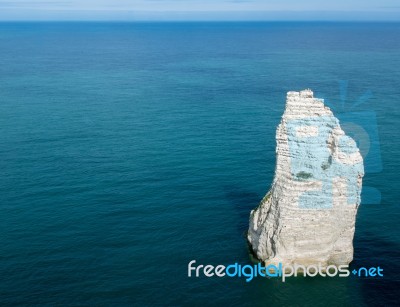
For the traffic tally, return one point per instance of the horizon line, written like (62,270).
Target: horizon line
(204,16)
(197,20)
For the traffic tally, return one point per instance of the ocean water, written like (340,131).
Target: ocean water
(129,149)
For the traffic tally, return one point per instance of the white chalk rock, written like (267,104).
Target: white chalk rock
(308,216)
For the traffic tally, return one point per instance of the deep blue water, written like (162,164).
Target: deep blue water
(127,150)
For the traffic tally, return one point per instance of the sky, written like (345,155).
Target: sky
(165,10)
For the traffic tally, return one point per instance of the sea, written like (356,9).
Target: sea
(129,149)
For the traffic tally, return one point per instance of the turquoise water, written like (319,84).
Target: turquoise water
(128,150)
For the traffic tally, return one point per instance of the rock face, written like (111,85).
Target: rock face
(308,216)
